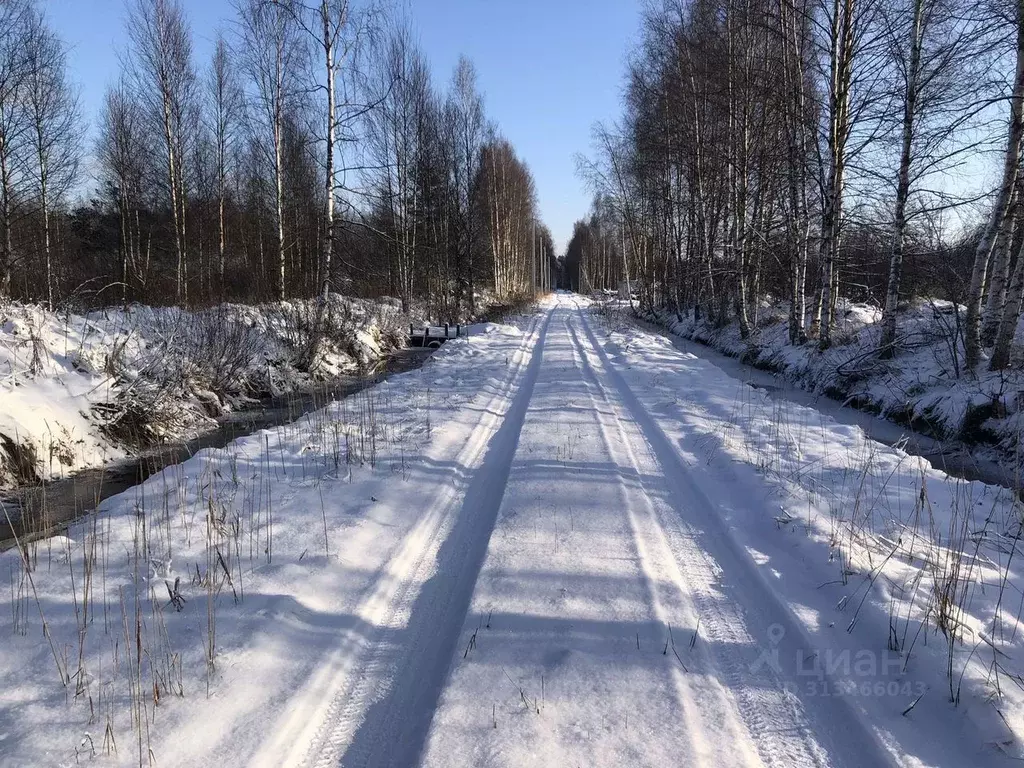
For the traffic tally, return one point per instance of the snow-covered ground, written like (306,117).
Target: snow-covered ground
(924,385)
(79,390)
(558,543)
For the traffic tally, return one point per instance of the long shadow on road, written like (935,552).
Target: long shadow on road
(395,728)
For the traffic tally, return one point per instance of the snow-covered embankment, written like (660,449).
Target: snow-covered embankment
(79,390)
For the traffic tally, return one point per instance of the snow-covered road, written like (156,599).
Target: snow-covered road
(579,601)
(592,550)
(604,558)
(378,710)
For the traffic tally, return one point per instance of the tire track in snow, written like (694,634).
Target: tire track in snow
(326,716)
(717,702)
(761,709)
(710,717)
(399,686)
(734,600)
(412,673)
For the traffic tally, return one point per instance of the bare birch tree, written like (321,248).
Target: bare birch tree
(124,151)
(999,218)
(15,16)
(394,135)
(163,79)
(272,63)
(938,62)
(469,127)
(54,128)
(224,100)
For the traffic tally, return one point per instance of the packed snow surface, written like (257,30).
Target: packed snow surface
(558,543)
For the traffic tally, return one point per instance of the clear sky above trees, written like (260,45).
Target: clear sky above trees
(549,69)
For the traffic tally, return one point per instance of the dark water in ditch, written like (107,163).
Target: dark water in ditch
(70,498)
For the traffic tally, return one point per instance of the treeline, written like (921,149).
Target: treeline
(312,153)
(808,150)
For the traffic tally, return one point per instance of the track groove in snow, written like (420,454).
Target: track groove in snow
(742,616)
(600,649)
(760,701)
(375,685)
(661,572)
(646,556)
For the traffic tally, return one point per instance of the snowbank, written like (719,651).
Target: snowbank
(78,390)
(924,386)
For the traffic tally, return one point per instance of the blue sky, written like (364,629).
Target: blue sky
(549,69)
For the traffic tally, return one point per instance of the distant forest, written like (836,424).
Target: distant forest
(312,153)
